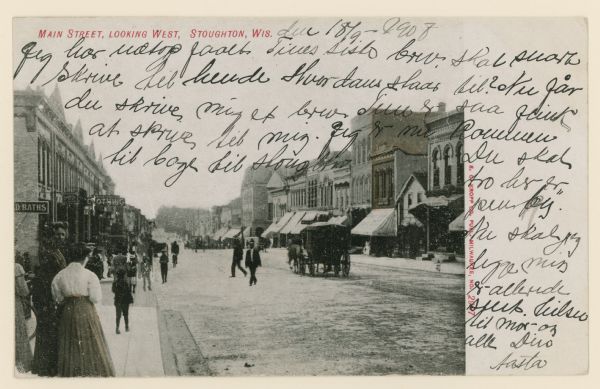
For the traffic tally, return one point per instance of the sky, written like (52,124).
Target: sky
(144,185)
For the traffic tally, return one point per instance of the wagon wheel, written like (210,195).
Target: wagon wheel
(346,265)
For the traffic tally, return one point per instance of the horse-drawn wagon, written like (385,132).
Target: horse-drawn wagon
(325,249)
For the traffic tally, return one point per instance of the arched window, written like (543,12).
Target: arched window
(447,166)
(436,168)
(460,166)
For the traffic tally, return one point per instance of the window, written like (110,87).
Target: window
(409,200)
(419,198)
(391,183)
(40,175)
(460,167)
(447,166)
(435,168)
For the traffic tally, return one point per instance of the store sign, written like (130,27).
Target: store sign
(32,206)
(109,200)
(70,198)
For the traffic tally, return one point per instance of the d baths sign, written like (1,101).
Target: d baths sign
(31,206)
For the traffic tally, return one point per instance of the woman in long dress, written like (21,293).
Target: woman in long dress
(82,348)
(23,355)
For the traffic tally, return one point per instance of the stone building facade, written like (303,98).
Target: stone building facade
(254,194)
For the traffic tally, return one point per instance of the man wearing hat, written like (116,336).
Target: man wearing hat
(252,262)
(164,265)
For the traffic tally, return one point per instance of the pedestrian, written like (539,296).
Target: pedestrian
(119,260)
(252,262)
(132,273)
(175,252)
(23,355)
(238,254)
(109,257)
(146,272)
(164,266)
(52,261)
(123,298)
(95,264)
(82,348)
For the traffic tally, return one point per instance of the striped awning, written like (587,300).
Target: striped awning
(276,227)
(291,225)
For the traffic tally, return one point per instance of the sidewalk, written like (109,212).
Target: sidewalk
(412,264)
(136,353)
(402,263)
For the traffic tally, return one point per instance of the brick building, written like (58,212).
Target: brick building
(398,147)
(444,205)
(52,163)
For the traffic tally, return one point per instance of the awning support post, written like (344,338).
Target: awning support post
(428,230)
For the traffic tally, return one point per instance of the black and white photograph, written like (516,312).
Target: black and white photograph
(336,196)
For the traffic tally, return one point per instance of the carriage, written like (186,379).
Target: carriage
(326,247)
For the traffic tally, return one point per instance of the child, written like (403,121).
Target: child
(132,273)
(123,298)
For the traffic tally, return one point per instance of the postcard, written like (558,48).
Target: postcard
(300,196)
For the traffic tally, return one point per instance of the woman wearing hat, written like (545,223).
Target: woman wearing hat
(82,348)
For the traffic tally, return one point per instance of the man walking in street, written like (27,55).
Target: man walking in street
(252,262)
(238,254)
(175,252)
(164,265)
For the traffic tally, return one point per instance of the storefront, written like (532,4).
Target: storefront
(380,228)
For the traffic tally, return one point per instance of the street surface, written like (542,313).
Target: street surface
(381,320)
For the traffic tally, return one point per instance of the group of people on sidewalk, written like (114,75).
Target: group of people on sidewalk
(69,339)
(252,261)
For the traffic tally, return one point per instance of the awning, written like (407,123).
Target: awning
(442,209)
(309,217)
(220,233)
(341,220)
(379,222)
(291,225)
(247,232)
(411,221)
(275,227)
(458,224)
(232,233)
